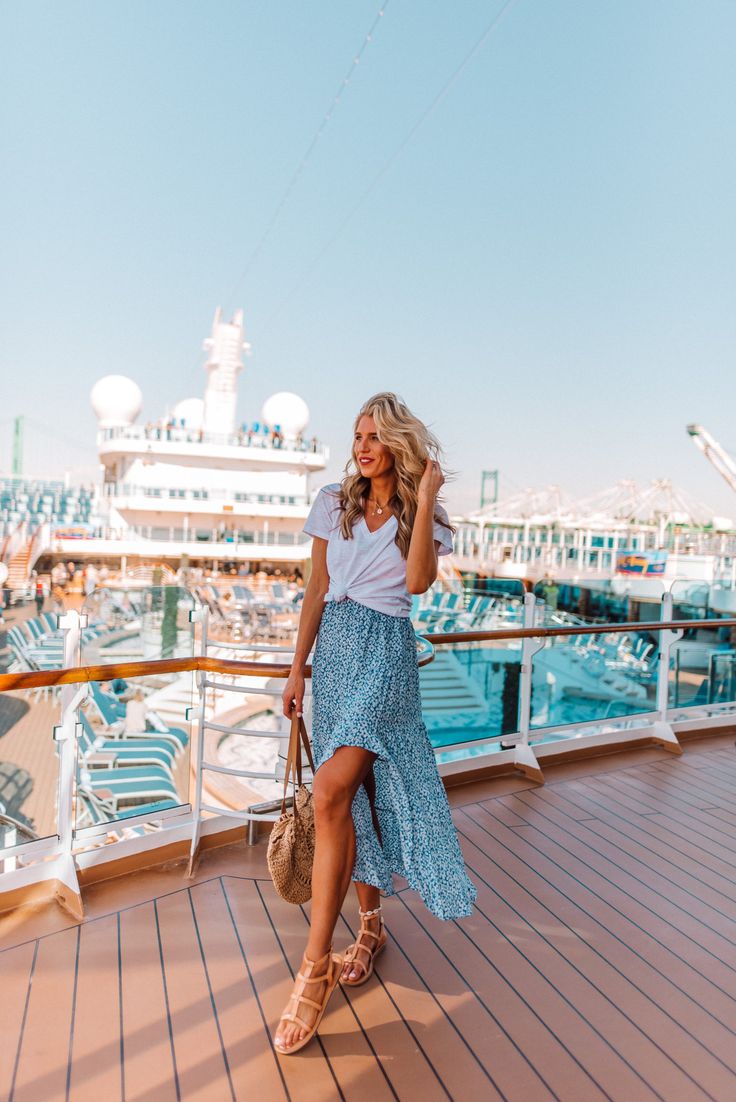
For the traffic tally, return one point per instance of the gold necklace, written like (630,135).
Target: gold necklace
(379,508)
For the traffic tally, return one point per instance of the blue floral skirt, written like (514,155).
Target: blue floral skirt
(365,683)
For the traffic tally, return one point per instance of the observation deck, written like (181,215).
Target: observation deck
(224,451)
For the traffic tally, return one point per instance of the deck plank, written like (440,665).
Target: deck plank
(673,857)
(681,910)
(198,1051)
(248,1052)
(502,980)
(16,969)
(147,1054)
(496,1034)
(306,1073)
(343,1033)
(27,730)
(672,952)
(647,795)
(702,827)
(651,1038)
(44,1051)
(676,859)
(96,1059)
(708,814)
(593,1030)
(675,986)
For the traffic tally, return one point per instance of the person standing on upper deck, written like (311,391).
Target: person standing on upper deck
(380,806)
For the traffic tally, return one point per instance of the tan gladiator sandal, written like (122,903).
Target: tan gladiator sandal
(371,952)
(291,1014)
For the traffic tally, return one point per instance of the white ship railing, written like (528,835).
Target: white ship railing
(243,439)
(206,536)
(202,494)
(58,859)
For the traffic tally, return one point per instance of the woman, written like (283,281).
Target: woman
(380,806)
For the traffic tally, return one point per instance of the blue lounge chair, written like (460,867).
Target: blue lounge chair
(113,713)
(129,787)
(100,811)
(123,752)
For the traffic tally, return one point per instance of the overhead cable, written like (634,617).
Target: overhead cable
(388,164)
(296,175)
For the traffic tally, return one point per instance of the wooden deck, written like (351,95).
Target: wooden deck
(600,963)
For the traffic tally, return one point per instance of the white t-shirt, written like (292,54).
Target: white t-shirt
(369,567)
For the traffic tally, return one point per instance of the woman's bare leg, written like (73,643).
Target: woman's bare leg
(368,899)
(333,792)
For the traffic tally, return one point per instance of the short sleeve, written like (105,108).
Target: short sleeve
(441,534)
(320,521)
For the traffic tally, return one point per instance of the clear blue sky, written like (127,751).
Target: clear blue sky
(547,271)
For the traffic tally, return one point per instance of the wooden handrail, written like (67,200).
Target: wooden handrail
(76,674)
(36,679)
(577,629)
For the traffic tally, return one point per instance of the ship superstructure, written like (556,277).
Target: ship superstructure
(196,482)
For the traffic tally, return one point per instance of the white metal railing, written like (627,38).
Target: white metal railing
(58,857)
(201,494)
(247,438)
(195,536)
(253,813)
(547,548)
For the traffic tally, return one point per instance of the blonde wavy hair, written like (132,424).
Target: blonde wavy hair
(411,444)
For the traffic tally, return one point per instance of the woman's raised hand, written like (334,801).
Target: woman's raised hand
(431,481)
(293,694)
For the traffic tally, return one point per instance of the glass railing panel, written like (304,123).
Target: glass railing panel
(471,604)
(470,691)
(617,600)
(701,661)
(245,608)
(590,678)
(136,734)
(29,766)
(29,762)
(32,637)
(723,589)
(470,694)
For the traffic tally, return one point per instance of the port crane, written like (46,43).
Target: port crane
(715,453)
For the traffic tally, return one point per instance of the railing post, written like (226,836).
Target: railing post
(68,891)
(662,730)
(524,758)
(199,616)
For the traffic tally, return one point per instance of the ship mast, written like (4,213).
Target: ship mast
(224,364)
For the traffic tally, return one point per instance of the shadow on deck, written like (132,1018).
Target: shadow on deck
(600,963)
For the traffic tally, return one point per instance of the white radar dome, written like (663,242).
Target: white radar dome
(116,400)
(191,412)
(288,411)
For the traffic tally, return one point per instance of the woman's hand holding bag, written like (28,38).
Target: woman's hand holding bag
(291,844)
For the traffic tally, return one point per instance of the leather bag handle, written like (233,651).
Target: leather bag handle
(297,735)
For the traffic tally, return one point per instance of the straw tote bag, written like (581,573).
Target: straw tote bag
(291,844)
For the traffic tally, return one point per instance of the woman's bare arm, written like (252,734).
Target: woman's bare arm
(421,562)
(309,620)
